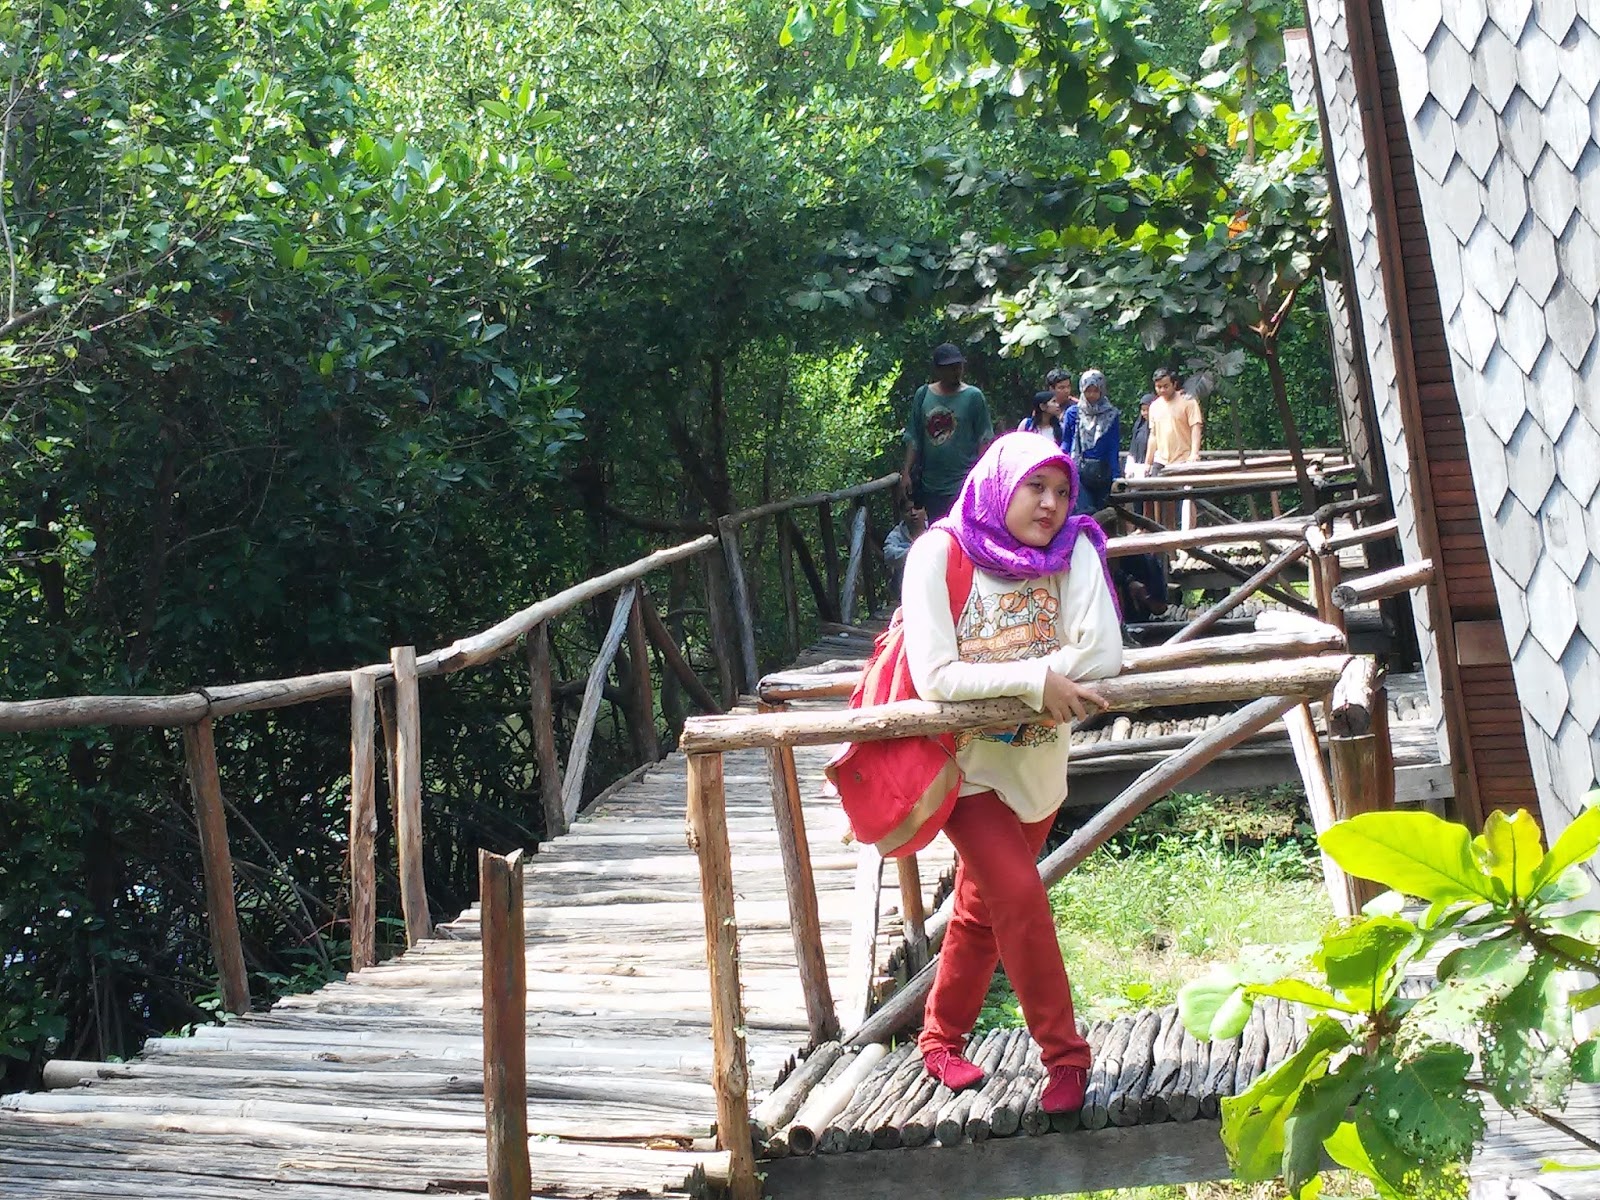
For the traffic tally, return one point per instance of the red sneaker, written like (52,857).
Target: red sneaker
(1064,1092)
(951,1069)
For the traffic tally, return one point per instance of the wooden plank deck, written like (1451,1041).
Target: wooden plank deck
(372,1086)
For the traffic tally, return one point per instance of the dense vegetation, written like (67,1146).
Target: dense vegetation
(339,324)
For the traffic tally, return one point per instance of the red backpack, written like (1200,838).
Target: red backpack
(898,792)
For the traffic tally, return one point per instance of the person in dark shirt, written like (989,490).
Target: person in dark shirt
(1140,447)
(947,430)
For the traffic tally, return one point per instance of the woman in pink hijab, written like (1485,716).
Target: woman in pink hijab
(1041,618)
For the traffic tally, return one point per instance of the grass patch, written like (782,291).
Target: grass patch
(1191,883)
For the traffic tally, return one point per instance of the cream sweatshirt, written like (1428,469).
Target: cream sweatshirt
(1009,634)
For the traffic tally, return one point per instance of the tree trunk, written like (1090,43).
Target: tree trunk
(1291,431)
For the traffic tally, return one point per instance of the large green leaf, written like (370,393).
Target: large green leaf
(1586,1061)
(1214,1007)
(1301,992)
(1524,1035)
(1426,1106)
(1512,850)
(1365,961)
(1253,1122)
(1318,1111)
(1412,852)
(1577,843)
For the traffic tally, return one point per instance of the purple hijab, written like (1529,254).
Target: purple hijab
(978,520)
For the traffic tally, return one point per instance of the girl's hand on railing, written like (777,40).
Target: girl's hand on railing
(1067,700)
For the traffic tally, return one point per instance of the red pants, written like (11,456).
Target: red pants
(1001,914)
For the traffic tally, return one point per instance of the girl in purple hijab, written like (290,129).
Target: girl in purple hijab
(1039,620)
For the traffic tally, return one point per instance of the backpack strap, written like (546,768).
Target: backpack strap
(957,577)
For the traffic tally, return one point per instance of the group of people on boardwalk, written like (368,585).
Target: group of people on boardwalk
(1009,593)
(949,425)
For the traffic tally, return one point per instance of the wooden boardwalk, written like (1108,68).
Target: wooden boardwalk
(372,1086)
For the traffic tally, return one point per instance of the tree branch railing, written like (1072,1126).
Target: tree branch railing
(1272,686)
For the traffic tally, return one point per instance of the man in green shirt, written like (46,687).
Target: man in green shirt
(947,431)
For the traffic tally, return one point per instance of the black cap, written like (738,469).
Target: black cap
(947,354)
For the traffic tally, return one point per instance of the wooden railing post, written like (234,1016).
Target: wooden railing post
(743,606)
(830,555)
(730,1070)
(801,889)
(1362,758)
(852,571)
(363,822)
(913,912)
(589,712)
(791,599)
(505,1025)
(542,727)
(222,917)
(641,691)
(408,797)
(1319,796)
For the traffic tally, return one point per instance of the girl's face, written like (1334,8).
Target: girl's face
(1052,406)
(1040,506)
(1092,393)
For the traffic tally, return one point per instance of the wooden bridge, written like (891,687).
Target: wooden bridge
(553,1039)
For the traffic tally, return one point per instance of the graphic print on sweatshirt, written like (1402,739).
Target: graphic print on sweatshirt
(1008,627)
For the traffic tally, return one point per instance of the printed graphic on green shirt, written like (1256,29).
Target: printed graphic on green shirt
(1009,627)
(949,432)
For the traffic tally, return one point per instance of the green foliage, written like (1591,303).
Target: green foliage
(1383,1085)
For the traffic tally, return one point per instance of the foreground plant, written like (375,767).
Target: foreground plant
(1392,1086)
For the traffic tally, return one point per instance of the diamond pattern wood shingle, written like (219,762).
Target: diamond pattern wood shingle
(1531,400)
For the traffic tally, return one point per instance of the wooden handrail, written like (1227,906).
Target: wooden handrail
(1204,535)
(811,501)
(912,718)
(1312,637)
(1382,584)
(185,708)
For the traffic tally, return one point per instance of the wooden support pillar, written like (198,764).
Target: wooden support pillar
(505,1025)
(791,599)
(801,889)
(641,691)
(730,1069)
(589,711)
(542,725)
(862,969)
(1319,797)
(743,606)
(1361,755)
(222,917)
(830,554)
(363,822)
(408,796)
(913,912)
